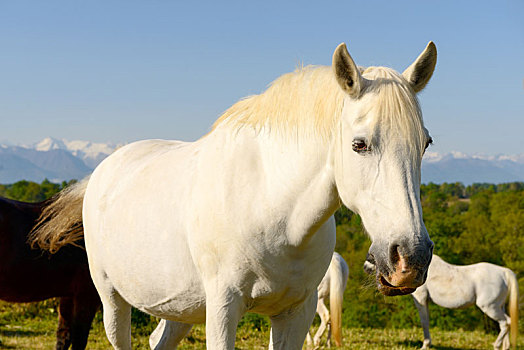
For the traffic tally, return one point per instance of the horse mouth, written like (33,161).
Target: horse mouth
(389,290)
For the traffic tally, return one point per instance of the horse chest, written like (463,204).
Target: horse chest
(271,275)
(282,288)
(290,280)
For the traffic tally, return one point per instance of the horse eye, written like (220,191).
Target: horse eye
(359,146)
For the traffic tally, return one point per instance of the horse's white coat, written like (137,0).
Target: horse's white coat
(451,286)
(240,220)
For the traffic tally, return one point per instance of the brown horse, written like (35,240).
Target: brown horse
(31,274)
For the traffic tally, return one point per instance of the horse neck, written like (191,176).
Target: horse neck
(438,261)
(298,178)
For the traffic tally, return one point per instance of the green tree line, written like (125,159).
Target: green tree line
(469,224)
(28,191)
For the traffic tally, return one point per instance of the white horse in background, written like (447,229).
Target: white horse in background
(241,220)
(486,285)
(333,285)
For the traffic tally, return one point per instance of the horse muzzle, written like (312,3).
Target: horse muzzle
(399,271)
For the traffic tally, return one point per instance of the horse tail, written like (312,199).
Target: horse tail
(513,306)
(60,222)
(338,279)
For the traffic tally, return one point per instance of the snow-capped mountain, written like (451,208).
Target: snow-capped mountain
(19,163)
(468,169)
(54,159)
(91,153)
(58,160)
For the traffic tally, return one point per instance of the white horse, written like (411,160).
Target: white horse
(241,220)
(486,285)
(333,285)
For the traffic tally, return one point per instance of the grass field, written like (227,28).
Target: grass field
(32,326)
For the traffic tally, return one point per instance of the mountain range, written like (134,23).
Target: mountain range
(58,160)
(52,159)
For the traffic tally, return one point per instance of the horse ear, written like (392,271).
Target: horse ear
(346,71)
(420,71)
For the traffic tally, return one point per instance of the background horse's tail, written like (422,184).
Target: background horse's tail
(513,306)
(338,279)
(60,222)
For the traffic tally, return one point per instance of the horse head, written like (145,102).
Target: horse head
(377,161)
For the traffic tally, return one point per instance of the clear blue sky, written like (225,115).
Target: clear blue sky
(126,70)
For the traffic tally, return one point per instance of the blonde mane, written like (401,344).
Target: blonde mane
(308,103)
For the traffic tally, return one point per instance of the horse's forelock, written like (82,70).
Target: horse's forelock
(396,108)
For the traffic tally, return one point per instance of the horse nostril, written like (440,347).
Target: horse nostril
(398,261)
(394,255)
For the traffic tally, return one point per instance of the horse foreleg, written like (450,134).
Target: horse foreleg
(168,334)
(423,312)
(323,312)
(289,329)
(65,317)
